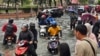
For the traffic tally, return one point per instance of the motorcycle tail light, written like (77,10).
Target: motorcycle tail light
(20,44)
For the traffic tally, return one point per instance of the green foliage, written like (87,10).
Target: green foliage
(26,2)
(83,1)
(99,2)
(29,6)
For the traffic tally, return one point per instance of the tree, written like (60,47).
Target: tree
(83,1)
(61,2)
(99,2)
(25,2)
(55,3)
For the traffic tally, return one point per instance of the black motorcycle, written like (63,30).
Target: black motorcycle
(9,41)
(53,45)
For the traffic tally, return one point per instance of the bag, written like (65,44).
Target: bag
(9,29)
(91,47)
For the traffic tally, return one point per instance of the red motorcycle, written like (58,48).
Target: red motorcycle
(22,48)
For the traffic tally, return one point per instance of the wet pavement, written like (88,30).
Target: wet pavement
(68,36)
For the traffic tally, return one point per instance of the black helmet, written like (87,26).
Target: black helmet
(32,24)
(11,20)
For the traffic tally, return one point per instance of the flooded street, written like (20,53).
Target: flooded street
(42,43)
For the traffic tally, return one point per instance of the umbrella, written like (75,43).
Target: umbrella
(88,18)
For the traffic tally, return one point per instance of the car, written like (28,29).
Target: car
(81,10)
(55,12)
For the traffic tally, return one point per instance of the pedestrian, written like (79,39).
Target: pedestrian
(90,34)
(73,20)
(64,50)
(40,13)
(86,46)
(79,20)
(96,17)
(35,33)
(96,29)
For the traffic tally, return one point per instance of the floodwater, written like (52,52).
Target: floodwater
(68,36)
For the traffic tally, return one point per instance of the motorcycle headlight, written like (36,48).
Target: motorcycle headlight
(20,44)
(42,33)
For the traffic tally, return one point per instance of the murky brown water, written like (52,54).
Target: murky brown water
(42,44)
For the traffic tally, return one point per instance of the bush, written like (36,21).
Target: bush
(99,2)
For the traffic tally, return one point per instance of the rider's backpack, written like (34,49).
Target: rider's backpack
(9,29)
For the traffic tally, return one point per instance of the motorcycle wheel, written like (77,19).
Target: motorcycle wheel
(56,51)
(23,55)
(48,49)
(19,55)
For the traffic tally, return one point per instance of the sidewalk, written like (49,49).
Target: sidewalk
(19,15)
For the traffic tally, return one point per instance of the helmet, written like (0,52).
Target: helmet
(53,23)
(11,21)
(32,24)
(25,25)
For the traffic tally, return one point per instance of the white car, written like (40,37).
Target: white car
(46,10)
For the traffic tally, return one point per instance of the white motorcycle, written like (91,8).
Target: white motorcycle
(43,31)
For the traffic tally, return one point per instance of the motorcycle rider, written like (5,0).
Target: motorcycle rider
(54,30)
(96,29)
(50,19)
(26,34)
(43,20)
(10,29)
(35,33)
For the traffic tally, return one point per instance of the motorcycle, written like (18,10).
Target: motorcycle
(53,45)
(9,40)
(21,49)
(43,30)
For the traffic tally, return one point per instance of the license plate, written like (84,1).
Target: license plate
(42,33)
(9,43)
